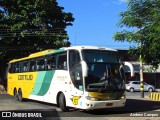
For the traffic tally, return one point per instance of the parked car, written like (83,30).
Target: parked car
(135,86)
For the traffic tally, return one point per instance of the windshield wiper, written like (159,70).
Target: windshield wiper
(105,85)
(109,85)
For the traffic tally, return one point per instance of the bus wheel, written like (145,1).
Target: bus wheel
(15,94)
(20,98)
(62,103)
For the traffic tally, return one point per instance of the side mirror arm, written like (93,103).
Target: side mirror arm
(131,68)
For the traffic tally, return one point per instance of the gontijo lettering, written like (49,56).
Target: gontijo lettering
(25,77)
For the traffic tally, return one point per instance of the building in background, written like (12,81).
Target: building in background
(150,76)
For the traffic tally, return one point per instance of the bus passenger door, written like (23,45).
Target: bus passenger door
(75,70)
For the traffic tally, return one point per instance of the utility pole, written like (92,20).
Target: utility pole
(141,72)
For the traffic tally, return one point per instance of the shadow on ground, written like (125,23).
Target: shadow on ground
(50,110)
(132,106)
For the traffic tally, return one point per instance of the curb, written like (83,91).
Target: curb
(139,98)
(154,96)
(1,93)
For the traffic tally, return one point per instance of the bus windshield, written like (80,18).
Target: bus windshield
(105,72)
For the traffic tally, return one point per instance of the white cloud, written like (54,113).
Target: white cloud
(123,1)
(119,2)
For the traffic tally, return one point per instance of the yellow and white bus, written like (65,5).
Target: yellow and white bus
(83,77)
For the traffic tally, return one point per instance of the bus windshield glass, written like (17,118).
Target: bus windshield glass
(105,72)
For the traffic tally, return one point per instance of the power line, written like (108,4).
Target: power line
(26,47)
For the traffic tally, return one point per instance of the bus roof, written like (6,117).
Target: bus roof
(37,54)
(90,47)
(50,51)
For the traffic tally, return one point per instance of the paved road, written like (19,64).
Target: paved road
(136,95)
(135,106)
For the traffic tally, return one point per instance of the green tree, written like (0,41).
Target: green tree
(143,19)
(28,26)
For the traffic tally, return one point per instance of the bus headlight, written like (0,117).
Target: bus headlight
(92,98)
(123,97)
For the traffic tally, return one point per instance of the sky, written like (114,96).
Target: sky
(95,22)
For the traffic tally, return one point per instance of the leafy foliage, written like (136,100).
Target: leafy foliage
(143,19)
(32,25)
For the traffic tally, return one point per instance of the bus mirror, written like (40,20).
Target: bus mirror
(130,67)
(84,69)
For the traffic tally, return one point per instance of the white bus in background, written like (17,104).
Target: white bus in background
(84,77)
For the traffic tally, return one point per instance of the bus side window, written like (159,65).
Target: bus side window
(32,65)
(25,66)
(51,62)
(14,67)
(40,64)
(17,68)
(11,67)
(62,61)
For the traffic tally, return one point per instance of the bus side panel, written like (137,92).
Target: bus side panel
(11,84)
(50,84)
(58,84)
(42,85)
(28,84)
(23,81)
(62,83)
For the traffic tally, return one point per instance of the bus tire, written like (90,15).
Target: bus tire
(62,103)
(15,94)
(20,97)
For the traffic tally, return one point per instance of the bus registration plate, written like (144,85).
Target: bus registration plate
(109,104)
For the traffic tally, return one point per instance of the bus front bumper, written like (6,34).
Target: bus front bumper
(89,105)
